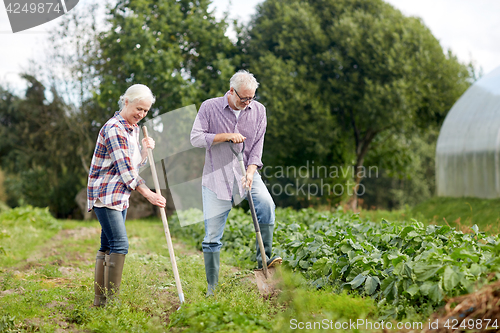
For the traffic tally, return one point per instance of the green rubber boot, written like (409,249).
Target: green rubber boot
(266,231)
(113,269)
(212,262)
(99,287)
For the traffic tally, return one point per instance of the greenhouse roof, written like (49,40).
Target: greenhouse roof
(468,147)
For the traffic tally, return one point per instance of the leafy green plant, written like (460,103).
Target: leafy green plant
(7,324)
(29,215)
(239,234)
(407,268)
(79,315)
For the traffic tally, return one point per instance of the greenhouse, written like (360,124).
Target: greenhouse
(468,147)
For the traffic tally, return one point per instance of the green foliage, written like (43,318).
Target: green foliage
(7,324)
(39,218)
(407,268)
(407,180)
(22,229)
(364,270)
(38,151)
(209,316)
(323,303)
(238,232)
(177,48)
(345,80)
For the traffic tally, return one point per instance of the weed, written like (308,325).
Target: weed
(7,324)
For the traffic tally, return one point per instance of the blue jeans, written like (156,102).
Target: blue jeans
(215,212)
(113,233)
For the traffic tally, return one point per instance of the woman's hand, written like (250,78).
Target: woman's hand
(148,143)
(157,199)
(153,197)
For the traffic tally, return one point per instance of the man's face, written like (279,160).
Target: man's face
(242,93)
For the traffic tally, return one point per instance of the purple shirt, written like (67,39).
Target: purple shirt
(221,165)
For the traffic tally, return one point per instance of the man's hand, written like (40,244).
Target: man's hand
(249,176)
(235,137)
(225,137)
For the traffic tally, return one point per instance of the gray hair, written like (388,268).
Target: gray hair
(137,92)
(243,78)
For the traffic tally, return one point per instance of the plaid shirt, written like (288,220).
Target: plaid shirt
(112,175)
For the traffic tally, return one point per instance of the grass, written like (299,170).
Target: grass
(389,215)
(46,276)
(46,285)
(461,212)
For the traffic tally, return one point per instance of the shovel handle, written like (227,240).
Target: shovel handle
(239,155)
(165,222)
(234,151)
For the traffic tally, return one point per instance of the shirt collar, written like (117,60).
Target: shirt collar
(128,127)
(226,103)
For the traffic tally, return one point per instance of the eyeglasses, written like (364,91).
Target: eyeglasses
(246,99)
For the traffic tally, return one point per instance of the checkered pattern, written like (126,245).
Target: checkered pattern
(112,175)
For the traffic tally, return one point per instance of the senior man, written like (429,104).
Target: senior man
(235,117)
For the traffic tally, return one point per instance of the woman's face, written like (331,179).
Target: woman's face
(135,111)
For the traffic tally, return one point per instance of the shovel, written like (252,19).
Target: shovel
(262,276)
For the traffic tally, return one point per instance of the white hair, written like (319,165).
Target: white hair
(243,78)
(137,92)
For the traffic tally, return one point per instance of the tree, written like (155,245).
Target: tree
(48,141)
(177,48)
(69,65)
(351,73)
(38,150)
(409,179)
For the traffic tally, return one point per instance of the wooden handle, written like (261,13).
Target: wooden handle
(165,222)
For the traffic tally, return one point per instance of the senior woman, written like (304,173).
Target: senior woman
(113,176)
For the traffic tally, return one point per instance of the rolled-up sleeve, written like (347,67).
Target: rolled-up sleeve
(118,146)
(200,134)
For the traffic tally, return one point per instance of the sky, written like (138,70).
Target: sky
(470,28)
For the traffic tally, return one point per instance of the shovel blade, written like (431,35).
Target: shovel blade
(267,286)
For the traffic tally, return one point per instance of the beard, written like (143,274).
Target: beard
(239,108)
